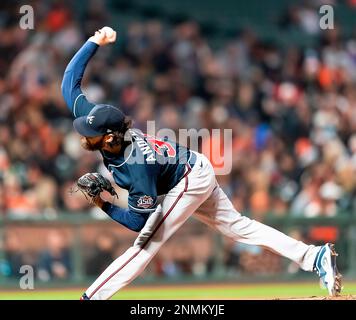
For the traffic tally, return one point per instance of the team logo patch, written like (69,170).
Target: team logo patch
(145,202)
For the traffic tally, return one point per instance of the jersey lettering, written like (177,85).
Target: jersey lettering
(161,146)
(144,147)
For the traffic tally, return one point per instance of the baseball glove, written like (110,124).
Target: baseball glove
(92,184)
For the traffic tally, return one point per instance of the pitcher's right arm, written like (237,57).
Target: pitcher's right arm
(71,83)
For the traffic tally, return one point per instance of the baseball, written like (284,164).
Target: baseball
(110,33)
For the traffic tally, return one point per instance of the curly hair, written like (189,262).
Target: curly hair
(119,136)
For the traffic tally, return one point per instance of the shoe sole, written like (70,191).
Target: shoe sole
(337,287)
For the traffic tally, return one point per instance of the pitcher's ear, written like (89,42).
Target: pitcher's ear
(109,138)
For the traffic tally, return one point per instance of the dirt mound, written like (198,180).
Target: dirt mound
(341,297)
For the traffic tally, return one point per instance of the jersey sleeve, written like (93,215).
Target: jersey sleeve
(142,202)
(128,218)
(71,90)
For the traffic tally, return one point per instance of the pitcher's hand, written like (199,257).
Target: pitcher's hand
(103,36)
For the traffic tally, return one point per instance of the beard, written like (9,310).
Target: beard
(90,146)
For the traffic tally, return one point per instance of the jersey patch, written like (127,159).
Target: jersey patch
(145,202)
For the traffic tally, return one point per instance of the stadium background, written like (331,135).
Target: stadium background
(263,69)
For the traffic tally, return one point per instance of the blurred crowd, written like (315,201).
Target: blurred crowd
(292,110)
(55,257)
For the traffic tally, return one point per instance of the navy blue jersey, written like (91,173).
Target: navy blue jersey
(147,168)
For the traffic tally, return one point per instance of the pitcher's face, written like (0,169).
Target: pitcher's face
(92,143)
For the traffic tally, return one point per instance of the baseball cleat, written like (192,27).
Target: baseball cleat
(325,267)
(84,297)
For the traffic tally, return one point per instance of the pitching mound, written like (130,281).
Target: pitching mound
(341,297)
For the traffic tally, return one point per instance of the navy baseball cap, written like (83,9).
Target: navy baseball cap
(102,119)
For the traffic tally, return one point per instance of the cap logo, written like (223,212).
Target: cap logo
(90,119)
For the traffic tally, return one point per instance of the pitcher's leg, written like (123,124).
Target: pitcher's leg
(219,213)
(128,266)
(119,273)
(178,205)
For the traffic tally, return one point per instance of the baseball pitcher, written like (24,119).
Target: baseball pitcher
(167,183)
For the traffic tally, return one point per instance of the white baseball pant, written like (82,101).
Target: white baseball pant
(198,192)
